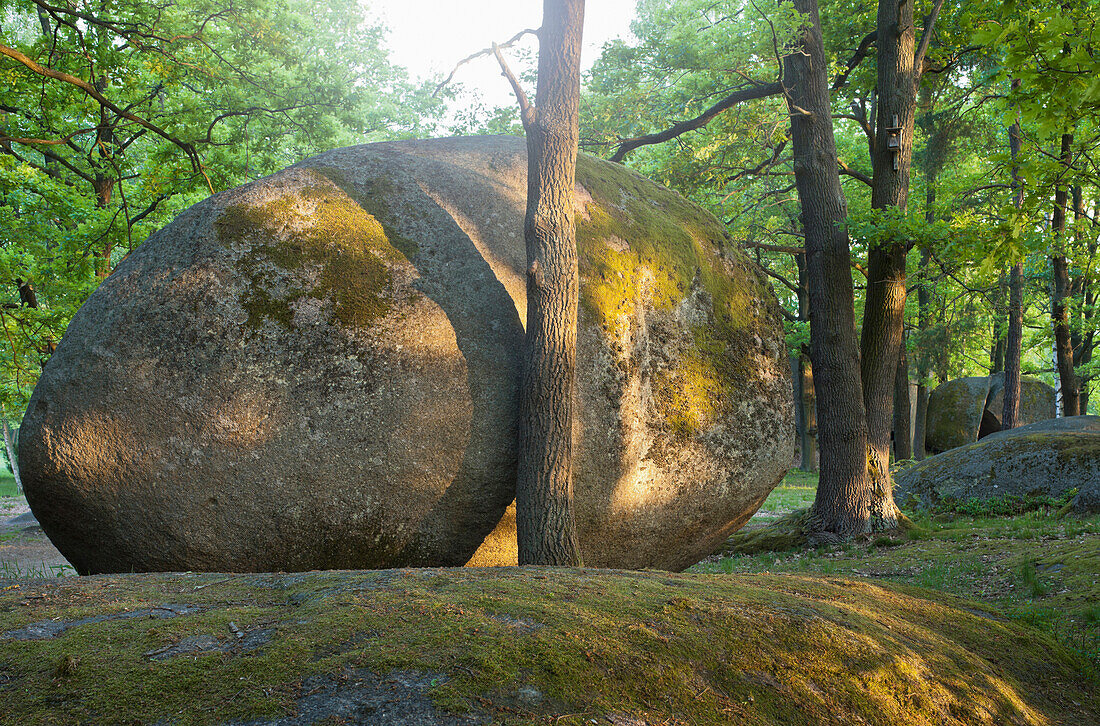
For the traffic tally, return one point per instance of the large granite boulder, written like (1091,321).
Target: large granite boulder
(319,370)
(965,410)
(1048,458)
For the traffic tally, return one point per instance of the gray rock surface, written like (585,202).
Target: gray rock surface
(1048,458)
(319,370)
(965,410)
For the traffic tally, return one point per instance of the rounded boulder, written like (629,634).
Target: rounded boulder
(1048,459)
(319,370)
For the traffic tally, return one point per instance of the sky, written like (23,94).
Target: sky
(431,36)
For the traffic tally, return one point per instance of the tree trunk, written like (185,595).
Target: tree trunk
(903,435)
(997,350)
(884,311)
(1015,334)
(1063,346)
(806,404)
(809,414)
(843,504)
(546,528)
(1081,337)
(919,428)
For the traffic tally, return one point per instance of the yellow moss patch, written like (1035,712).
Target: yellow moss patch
(317,226)
(641,244)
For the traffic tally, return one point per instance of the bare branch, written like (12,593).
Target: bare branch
(926,36)
(526,111)
(849,171)
(776,248)
(484,51)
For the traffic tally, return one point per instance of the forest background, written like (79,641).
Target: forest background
(116,116)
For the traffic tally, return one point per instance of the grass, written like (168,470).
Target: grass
(1038,567)
(13,571)
(796,491)
(7,484)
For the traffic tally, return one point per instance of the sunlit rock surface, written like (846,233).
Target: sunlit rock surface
(319,370)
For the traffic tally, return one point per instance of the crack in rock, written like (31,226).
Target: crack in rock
(52,628)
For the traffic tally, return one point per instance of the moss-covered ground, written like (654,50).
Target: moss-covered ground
(1041,567)
(525,646)
(872,633)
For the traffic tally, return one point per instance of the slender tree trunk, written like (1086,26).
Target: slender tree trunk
(903,435)
(809,413)
(807,432)
(1060,295)
(545,523)
(919,428)
(997,350)
(924,296)
(1014,336)
(843,504)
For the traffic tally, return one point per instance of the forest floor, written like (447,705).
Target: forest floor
(1036,567)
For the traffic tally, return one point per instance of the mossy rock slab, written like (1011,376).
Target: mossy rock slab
(319,370)
(965,410)
(523,646)
(1047,459)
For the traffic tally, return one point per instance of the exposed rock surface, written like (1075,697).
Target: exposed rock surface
(965,410)
(429,648)
(1048,458)
(319,370)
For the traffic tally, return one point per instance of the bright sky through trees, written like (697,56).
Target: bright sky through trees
(429,36)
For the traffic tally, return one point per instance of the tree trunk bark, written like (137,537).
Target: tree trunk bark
(843,504)
(903,435)
(546,528)
(997,350)
(1063,346)
(1015,334)
(919,428)
(806,404)
(809,414)
(884,311)
(1081,338)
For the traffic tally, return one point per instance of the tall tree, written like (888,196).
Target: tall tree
(844,504)
(545,524)
(899,63)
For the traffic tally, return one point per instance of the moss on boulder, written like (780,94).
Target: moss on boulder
(524,646)
(319,370)
(1050,459)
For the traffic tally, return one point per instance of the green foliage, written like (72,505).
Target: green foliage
(196,97)
(1005,506)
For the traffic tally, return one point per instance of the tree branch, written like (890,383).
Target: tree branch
(91,91)
(849,171)
(484,51)
(857,58)
(742,94)
(926,37)
(526,111)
